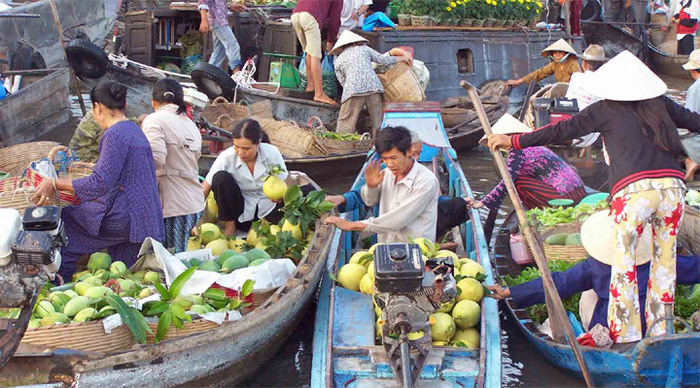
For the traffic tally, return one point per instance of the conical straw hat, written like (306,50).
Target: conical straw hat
(625,78)
(346,38)
(507,125)
(597,238)
(560,45)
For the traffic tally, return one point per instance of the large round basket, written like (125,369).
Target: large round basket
(75,170)
(16,194)
(196,326)
(85,336)
(15,159)
(564,252)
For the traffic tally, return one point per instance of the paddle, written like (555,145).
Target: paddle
(555,308)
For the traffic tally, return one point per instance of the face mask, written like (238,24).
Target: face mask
(551,58)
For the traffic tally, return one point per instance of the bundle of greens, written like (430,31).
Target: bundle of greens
(553,216)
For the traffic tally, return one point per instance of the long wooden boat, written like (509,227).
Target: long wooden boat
(225,356)
(344,351)
(670,361)
(93,18)
(40,105)
(668,64)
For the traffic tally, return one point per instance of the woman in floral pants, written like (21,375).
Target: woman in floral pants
(638,125)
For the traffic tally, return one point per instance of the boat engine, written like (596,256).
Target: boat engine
(29,257)
(408,291)
(553,110)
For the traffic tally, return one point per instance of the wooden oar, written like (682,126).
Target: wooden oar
(555,308)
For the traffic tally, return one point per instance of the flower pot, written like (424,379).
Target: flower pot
(478,23)
(404,19)
(433,21)
(421,21)
(467,22)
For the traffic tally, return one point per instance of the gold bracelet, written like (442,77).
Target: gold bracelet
(53,181)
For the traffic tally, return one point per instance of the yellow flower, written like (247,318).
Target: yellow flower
(520,1)
(453,4)
(539,4)
(527,7)
(459,2)
(537,10)
(448,9)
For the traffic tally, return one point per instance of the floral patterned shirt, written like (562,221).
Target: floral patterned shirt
(353,68)
(540,163)
(218,12)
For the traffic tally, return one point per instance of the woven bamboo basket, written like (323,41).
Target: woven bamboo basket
(226,115)
(16,159)
(85,336)
(564,252)
(196,326)
(401,84)
(339,146)
(292,140)
(75,170)
(16,194)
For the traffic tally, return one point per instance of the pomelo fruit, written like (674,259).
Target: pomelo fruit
(370,270)
(44,308)
(414,335)
(257,262)
(212,207)
(118,268)
(252,238)
(472,269)
(127,285)
(426,246)
(468,338)
(97,292)
(440,343)
(446,307)
(442,327)
(366,285)
(86,314)
(146,292)
(457,272)
(446,253)
(255,254)
(59,302)
(350,275)
(372,248)
(81,287)
(209,232)
(295,229)
(71,293)
(99,260)
(260,245)
(76,304)
(225,255)
(471,289)
(217,246)
(94,280)
(194,243)
(274,188)
(466,314)
(233,263)
(54,319)
(361,257)
(209,265)
(151,277)
(274,229)
(236,244)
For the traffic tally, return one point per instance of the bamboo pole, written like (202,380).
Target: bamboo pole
(555,307)
(57,22)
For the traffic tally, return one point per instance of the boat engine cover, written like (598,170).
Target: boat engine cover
(398,268)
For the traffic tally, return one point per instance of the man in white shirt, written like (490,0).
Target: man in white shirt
(353,13)
(407,195)
(591,60)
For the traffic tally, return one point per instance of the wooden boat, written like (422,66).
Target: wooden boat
(655,361)
(344,349)
(689,233)
(40,105)
(668,64)
(225,356)
(93,19)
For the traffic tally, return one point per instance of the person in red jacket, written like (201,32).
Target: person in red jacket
(308,18)
(687,19)
(638,125)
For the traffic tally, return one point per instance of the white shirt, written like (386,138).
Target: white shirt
(407,209)
(349,8)
(250,184)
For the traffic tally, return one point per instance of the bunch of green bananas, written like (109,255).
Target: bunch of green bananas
(339,136)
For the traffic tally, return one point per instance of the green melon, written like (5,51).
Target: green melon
(225,255)
(210,265)
(255,254)
(233,263)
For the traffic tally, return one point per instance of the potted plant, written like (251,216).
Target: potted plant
(419,12)
(403,10)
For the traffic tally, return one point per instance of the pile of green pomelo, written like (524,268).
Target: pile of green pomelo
(454,323)
(84,300)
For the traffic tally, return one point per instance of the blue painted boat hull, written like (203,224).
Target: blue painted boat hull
(345,354)
(657,361)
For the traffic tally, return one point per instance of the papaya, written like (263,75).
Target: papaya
(573,239)
(557,239)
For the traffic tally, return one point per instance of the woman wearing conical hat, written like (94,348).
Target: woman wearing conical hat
(564,62)
(638,124)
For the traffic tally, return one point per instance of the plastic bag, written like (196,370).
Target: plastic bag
(421,71)
(377,19)
(302,72)
(330,82)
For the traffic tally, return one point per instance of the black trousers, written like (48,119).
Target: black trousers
(231,203)
(451,213)
(686,45)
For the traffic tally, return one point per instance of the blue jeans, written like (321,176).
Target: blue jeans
(225,46)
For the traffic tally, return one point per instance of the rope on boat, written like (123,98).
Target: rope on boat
(244,80)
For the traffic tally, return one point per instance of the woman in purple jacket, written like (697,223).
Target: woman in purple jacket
(120,205)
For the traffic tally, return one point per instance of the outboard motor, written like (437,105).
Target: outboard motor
(408,290)
(29,257)
(553,110)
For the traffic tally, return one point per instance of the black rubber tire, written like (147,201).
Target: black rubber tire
(87,59)
(37,61)
(22,58)
(213,81)
(592,11)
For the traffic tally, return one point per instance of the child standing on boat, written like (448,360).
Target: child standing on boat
(361,86)
(638,125)
(564,62)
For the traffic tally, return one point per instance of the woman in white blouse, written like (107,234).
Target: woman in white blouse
(237,177)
